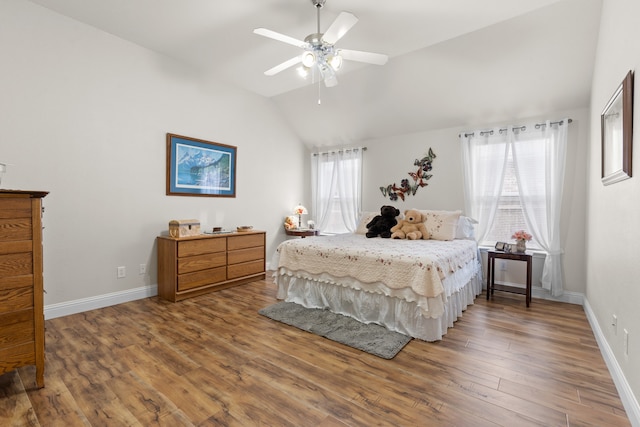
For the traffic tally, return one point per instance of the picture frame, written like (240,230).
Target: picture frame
(500,246)
(196,167)
(616,123)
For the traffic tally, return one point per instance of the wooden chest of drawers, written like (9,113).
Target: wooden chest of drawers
(21,284)
(195,265)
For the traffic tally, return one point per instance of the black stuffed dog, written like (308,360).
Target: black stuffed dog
(381,224)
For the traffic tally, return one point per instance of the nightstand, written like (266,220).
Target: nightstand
(302,232)
(491,267)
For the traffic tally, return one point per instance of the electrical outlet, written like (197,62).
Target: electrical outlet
(626,342)
(503,265)
(122,272)
(614,323)
(143,269)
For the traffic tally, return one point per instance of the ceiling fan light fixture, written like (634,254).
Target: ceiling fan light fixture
(335,61)
(308,59)
(303,71)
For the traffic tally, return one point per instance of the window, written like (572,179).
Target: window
(337,189)
(509,216)
(335,223)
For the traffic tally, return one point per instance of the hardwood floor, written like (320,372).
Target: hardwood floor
(213,360)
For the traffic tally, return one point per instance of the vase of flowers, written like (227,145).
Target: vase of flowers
(521,237)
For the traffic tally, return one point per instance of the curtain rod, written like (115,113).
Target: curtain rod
(341,150)
(537,125)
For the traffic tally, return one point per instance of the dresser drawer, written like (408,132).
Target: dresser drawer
(201,262)
(201,246)
(16,327)
(244,255)
(16,299)
(15,246)
(16,264)
(201,278)
(15,229)
(15,208)
(242,242)
(13,282)
(245,269)
(16,356)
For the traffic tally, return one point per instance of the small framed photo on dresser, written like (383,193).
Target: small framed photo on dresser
(500,246)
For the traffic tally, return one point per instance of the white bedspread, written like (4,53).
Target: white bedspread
(410,269)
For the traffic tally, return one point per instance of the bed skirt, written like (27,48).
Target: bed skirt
(396,314)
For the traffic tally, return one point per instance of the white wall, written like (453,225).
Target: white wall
(84,116)
(388,160)
(613,235)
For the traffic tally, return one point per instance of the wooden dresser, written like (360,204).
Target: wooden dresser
(191,266)
(21,284)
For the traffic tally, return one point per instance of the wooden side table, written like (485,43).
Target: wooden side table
(491,267)
(302,232)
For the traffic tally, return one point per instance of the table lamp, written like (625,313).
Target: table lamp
(300,210)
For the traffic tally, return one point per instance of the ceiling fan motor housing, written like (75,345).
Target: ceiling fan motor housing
(314,39)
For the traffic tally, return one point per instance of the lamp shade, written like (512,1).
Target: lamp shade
(300,210)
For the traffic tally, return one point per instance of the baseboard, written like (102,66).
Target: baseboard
(629,401)
(52,311)
(568,297)
(540,293)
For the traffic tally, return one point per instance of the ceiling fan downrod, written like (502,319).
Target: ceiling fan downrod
(318,4)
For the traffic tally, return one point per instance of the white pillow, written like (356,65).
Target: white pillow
(365,219)
(465,229)
(441,225)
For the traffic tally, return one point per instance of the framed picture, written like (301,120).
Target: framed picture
(617,132)
(500,246)
(200,168)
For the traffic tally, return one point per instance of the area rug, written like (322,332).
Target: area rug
(371,338)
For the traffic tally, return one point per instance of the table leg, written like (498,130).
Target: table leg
(490,267)
(529,262)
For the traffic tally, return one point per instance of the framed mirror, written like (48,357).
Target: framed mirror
(616,123)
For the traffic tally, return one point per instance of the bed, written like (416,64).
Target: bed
(415,287)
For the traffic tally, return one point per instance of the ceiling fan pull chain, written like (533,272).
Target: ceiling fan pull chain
(319,86)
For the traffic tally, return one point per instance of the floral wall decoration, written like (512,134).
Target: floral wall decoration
(420,175)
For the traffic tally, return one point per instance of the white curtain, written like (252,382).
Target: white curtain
(336,186)
(539,154)
(484,158)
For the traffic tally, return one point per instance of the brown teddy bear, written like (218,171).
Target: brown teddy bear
(411,227)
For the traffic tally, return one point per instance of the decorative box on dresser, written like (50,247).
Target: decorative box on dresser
(195,265)
(21,283)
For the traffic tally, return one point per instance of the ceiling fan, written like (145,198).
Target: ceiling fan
(321,57)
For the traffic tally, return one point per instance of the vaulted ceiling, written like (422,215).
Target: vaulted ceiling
(452,63)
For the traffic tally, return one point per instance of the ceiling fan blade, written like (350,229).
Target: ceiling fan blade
(339,27)
(368,57)
(280,37)
(281,67)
